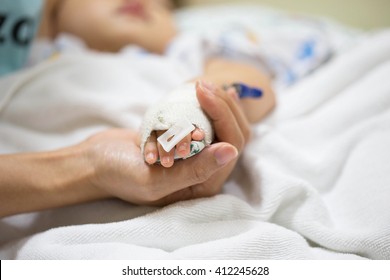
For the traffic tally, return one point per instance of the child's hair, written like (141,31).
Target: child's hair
(177,3)
(173,4)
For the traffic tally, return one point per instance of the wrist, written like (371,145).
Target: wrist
(40,181)
(62,177)
(75,175)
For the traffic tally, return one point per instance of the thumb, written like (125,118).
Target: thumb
(197,169)
(209,161)
(194,172)
(223,153)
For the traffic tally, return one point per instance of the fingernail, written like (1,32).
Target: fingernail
(150,158)
(233,93)
(182,149)
(205,88)
(166,160)
(225,154)
(208,85)
(197,135)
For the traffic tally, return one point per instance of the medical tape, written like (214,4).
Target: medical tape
(175,134)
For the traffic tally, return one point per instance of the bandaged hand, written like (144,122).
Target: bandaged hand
(154,152)
(180,115)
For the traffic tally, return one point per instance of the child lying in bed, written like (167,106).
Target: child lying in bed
(110,26)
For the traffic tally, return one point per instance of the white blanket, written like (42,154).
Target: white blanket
(314,182)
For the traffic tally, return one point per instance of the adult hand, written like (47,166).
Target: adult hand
(110,164)
(120,169)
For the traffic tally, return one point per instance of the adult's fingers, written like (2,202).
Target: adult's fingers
(228,119)
(222,117)
(231,98)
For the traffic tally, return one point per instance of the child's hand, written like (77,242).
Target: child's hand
(154,151)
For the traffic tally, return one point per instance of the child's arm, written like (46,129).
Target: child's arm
(223,72)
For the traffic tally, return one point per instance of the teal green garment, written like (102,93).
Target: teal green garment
(19,20)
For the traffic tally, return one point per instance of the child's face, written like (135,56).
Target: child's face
(109,25)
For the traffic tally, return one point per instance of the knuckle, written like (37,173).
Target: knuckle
(151,194)
(200,173)
(149,190)
(240,142)
(207,190)
(247,134)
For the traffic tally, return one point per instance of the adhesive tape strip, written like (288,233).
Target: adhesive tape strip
(175,134)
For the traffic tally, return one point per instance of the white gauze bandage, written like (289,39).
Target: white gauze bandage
(180,106)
